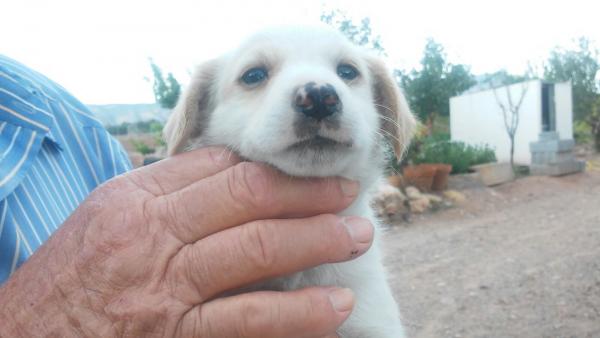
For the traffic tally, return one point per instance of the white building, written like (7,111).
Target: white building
(476,117)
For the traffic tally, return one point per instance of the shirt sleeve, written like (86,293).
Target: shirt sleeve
(110,153)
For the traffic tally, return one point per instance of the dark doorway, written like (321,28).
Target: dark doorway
(548,107)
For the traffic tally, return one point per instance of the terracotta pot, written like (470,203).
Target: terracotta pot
(395,180)
(421,176)
(440,180)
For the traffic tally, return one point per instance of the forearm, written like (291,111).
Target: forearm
(33,299)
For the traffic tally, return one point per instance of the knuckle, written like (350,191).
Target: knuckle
(215,155)
(179,210)
(220,156)
(169,213)
(251,185)
(188,276)
(254,319)
(259,245)
(317,312)
(116,186)
(194,324)
(146,181)
(198,272)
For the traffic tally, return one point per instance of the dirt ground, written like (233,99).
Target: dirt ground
(518,260)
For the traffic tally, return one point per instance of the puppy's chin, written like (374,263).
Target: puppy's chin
(314,158)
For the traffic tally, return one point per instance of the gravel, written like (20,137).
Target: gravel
(518,260)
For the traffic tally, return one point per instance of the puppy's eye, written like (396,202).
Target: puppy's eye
(255,75)
(347,72)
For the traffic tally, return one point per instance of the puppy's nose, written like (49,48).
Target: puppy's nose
(317,102)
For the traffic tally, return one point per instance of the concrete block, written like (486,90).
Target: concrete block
(553,145)
(551,157)
(495,173)
(558,169)
(548,136)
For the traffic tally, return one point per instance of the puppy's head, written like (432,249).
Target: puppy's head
(303,99)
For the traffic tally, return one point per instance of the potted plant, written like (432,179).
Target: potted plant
(421,176)
(440,180)
(450,157)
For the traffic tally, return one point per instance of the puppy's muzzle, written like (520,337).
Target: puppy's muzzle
(317,102)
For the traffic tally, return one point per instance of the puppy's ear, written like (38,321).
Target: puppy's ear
(191,115)
(397,123)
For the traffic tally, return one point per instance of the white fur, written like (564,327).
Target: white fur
(258,124)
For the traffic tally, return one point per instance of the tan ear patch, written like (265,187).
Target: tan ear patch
(396,121)
(191,115)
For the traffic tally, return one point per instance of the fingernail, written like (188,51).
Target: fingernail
(349,188)
(359,229)
(341,299)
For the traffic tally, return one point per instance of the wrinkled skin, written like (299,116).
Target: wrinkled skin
(149,253)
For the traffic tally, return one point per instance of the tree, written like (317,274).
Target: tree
(166,90)
(593,120)
(502,78)
(361,34)
(511,114)
(579,65)
(429,89)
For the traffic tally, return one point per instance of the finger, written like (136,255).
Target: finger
(312,312)
(262,250)
(248,192)
(174,173)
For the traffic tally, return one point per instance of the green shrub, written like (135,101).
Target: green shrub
(458,154)
(142,147)
(119,129)
(140,127)
(582,132)
(418,142)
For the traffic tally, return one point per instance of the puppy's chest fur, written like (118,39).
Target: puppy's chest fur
(375,314)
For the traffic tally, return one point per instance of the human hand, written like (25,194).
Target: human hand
(149,253)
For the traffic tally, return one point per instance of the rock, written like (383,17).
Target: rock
(388,192)
(412,193)
(419,205)
(455,196)
(434,199)
(389,202)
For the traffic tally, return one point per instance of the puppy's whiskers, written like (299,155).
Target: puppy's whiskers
(222,153)
(387,119)
(403,144)
(390,120)
(384,107)
(388,134)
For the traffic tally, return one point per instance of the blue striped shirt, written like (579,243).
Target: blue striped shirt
(53,153)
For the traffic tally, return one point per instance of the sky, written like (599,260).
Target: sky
(99,50)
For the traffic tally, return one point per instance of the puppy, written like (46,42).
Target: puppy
(310,103)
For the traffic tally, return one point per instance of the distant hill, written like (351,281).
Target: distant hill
(114,114)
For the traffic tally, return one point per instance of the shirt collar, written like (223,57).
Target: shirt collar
(22,102)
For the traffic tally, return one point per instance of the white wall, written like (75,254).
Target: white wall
(476,118)
(563,99)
